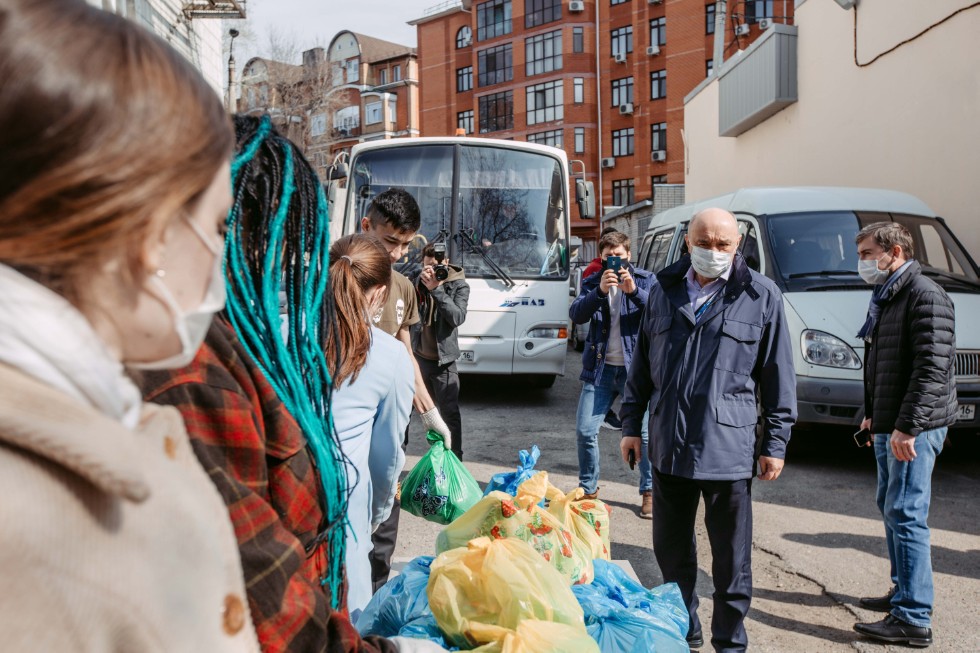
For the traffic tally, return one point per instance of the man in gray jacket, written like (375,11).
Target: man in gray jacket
(714,337)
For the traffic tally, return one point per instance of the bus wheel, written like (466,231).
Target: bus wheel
(542,381)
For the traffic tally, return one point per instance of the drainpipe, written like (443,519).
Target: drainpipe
(721,8)
(598,99)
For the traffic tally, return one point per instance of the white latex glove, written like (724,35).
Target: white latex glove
(409,645)
(433,421)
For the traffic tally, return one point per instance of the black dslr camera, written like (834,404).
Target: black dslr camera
(440,269)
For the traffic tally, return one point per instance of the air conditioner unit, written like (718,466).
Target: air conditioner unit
(653,50)
(658,155)
(742,30)
(765,23)
(626,109)
(620,57)
(609,162)
(576,6)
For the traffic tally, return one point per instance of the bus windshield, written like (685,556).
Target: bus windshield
(509,219)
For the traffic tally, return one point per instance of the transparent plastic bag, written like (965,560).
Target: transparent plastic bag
(439,488)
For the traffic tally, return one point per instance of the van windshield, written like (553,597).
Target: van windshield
(817,250)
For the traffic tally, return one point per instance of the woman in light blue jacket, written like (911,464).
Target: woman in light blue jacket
(374,384)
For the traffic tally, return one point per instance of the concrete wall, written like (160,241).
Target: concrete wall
(909,121)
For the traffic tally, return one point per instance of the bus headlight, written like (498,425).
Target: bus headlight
(821,348)
(548,332)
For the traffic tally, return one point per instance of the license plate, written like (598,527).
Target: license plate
(967,412)
(466,356)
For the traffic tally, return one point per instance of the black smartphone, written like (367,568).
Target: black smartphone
(863,438)
(631,458)
(614,263)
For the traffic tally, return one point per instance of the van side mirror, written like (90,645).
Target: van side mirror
(585,197)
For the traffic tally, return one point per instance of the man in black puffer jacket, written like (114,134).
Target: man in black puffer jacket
(910,401)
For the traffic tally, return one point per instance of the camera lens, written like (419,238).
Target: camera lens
(441,272)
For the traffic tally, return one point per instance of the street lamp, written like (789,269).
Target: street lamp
(230,99)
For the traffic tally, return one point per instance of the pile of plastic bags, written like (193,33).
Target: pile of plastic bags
(526,569)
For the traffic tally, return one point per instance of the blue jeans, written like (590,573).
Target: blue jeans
(904,490)
(593,404)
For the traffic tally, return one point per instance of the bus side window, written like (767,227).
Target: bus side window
(659,250)
(749,246)
(643,257)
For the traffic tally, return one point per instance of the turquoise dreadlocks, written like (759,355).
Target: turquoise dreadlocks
(277,244)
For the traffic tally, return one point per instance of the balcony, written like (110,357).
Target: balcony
(339,133)
(759,83)
(225,9)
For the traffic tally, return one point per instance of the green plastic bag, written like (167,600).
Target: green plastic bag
(439,488)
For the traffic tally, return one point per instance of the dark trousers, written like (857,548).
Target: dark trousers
(442,382)
(384,540)
(728,518)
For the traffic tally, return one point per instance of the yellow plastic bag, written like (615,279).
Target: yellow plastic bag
(500,516)
(481,592)
(542,637)
(587,519)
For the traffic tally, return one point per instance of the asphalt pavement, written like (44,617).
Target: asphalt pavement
(818,538)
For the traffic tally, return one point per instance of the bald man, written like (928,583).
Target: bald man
(713,339)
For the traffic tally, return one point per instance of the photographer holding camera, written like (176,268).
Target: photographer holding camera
(443,294)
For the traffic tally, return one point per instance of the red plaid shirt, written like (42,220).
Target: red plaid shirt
(256,455)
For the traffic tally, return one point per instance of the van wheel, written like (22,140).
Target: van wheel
(542,381)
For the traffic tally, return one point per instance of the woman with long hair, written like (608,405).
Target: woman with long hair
(114,185)
(372,400)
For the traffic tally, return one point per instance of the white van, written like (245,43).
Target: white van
(803,239)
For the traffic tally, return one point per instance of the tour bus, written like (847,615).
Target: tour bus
(803,239)
(502,210)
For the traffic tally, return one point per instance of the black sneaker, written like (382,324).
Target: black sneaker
(695,640)
(878,603)
(895,631)
(612,422)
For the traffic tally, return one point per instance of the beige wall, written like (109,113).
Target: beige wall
(910,121)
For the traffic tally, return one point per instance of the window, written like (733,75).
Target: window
(353,71)
(464,79)
(382,76)
(617,2)
(543,53)
(622,91)
(495,65)
(621,40)
(658,31)
(393,108)
(578,85)
(492,19)
(318,125)
(658,84)
(396,74)
(347,118)
(622,192)
(336,75)
(756,9)
(372,113)
(464,120)
(545,102)
(622,142)
(657,180)
(578,39)
(464,37)
(539,12)
(579,140)
(709,67)
(709,18)
(552,138)
(496,112)
(656,258)
(658,137)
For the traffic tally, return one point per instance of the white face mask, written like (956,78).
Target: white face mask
(871,274)
(709,263)
(191,326)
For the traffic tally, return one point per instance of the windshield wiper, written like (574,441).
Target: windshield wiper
(822,273)
(473,246)
(951,277)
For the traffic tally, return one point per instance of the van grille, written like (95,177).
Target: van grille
(968,364)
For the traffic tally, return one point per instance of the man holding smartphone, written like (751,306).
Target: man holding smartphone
(909,402)
(612,301)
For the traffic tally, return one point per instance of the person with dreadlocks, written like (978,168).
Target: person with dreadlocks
(256,401)
(372,402)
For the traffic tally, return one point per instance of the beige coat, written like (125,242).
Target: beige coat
(110,540)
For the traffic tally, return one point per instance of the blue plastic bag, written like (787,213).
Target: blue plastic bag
(401,607)
(509,481)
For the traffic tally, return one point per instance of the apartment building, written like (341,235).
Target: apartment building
(605,80)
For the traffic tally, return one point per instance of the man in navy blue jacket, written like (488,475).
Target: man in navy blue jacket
(612,301)
(714,337)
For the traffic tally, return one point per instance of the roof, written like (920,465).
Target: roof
(278,69)
(800,199)
(374,49)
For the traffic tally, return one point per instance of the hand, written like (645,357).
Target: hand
(866,424)
(433,421)
(903,446)
(626,282)
(410,645)
(769,468)
(607,281)
(630,443)
(428,278)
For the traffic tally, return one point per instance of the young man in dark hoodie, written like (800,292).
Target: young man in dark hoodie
(443,295)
